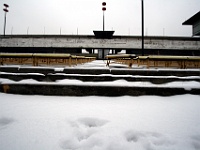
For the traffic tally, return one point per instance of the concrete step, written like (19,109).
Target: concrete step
(92,71)
(91,90)
(47,85)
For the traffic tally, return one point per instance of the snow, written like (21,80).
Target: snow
(100,75)
(99,123)
(8,73)
(59,69)
(187,85)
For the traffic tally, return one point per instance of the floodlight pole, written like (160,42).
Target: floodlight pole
(5,10)
(103,22)
(4,31)
(103,9)
(142,4)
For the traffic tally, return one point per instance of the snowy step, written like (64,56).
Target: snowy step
(95,78)
(116,88)
(96,71)
(88,80)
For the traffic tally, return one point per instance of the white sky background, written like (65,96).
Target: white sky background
(162,17)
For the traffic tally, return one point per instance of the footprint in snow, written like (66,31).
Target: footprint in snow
(5,121)
(196,142)
(92,122)
(150,140)
(83,134)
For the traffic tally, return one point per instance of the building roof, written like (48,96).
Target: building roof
(103,34)
(193,19)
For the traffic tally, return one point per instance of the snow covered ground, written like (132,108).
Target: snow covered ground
(99,123)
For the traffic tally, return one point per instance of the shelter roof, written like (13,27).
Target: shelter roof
(193,19)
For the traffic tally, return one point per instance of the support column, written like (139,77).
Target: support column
(142,28)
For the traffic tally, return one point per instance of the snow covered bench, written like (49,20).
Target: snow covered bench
(37,59)
(16,58)
(181,62)
(122,58)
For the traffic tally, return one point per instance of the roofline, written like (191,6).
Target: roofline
(192,20)
(193,38)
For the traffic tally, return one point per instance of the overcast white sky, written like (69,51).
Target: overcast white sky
(162,17)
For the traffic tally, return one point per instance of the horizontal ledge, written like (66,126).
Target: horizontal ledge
(75,90)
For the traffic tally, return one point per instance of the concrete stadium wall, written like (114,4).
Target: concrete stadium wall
(117,42)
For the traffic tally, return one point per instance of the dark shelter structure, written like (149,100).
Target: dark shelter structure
(195,22)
